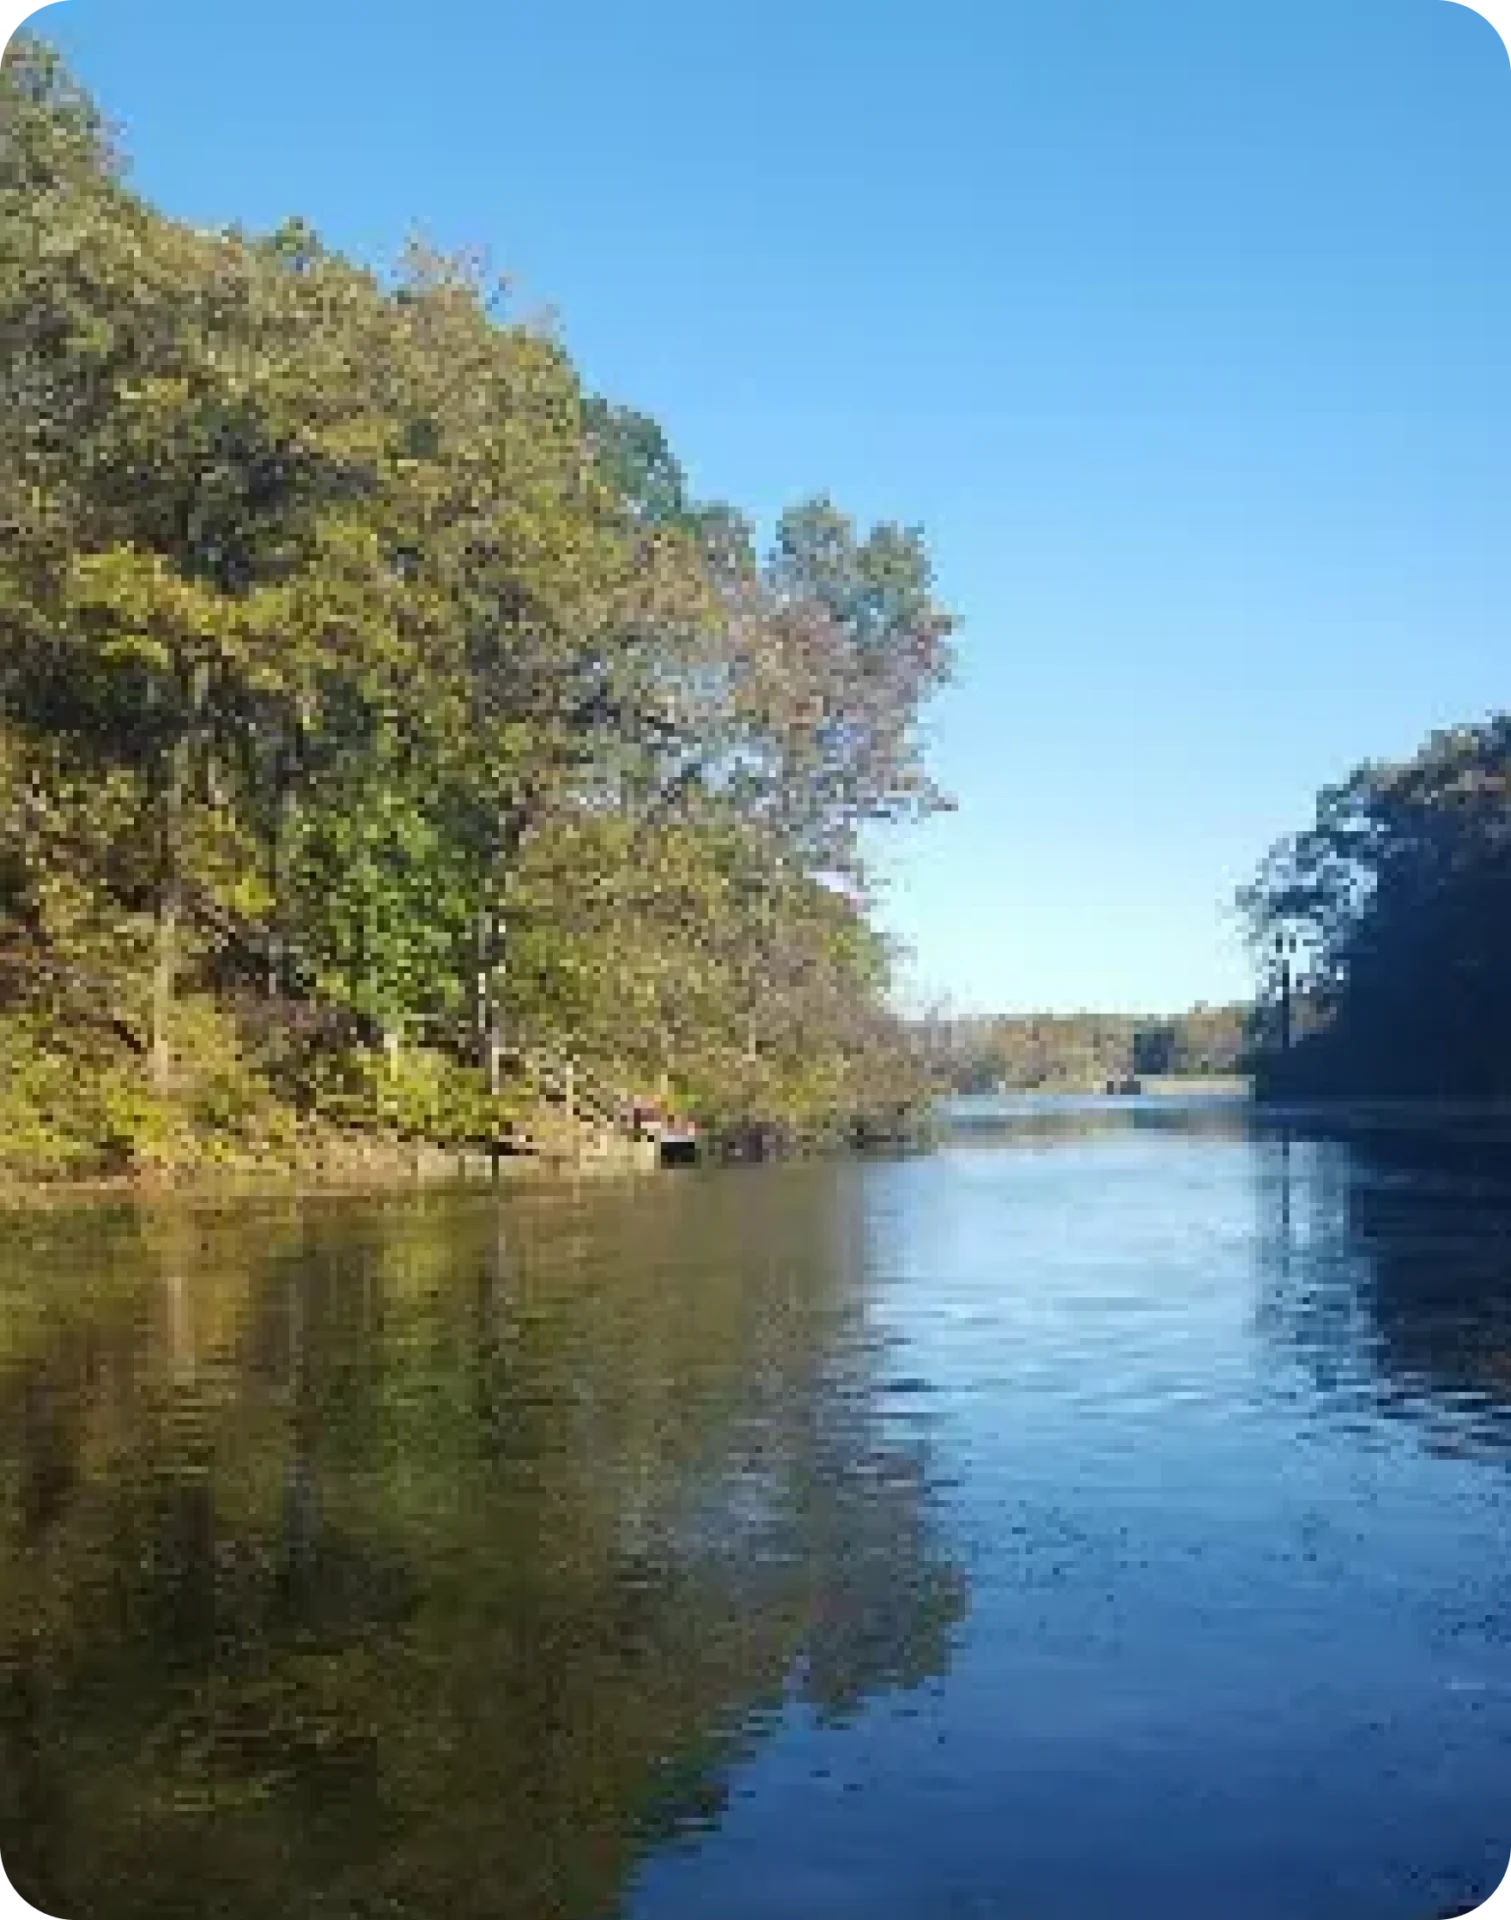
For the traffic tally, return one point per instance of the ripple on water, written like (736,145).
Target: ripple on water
(1108,1515)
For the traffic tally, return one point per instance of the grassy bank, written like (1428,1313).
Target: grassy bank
(256,1095)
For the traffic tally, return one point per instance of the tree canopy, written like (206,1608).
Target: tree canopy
(355,656)
(1398,900)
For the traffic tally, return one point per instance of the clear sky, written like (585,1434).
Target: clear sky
(1182,329)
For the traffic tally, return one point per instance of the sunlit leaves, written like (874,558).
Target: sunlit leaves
(426,678)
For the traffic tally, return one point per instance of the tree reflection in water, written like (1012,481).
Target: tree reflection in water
(434,1556)
(1385,1258)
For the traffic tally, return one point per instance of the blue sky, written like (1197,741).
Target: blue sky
(1180,328)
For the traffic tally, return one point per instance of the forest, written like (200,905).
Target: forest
(381,711)
(1392,910)
(1083,1052)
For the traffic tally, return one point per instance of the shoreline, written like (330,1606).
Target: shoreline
(357,1165)
(369,1168)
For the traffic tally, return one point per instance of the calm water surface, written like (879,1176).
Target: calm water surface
(1106,1514)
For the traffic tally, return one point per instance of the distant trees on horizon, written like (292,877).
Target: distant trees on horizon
(1083,1051)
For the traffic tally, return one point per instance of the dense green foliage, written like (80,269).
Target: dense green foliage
(1399,899)
(1082,1052)
(373,700)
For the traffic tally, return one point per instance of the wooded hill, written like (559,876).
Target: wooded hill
(376,701)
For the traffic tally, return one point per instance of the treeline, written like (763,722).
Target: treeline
(374,699)
(1397,903)
(1083,1052)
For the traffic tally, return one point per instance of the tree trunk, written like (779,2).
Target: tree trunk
(282,806)
(493,950)
(495,1037)
(172,803)
(490,1039)
(164,970)
(288,765)
(484,990)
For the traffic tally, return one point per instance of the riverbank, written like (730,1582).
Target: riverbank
(302,1154)
(375,1167)
(1188,1086)
(354,1164)
(253,1099)
(1169,1086)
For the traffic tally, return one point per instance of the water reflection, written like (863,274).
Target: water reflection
(599,1554)
(1385,1257)
(435,1556)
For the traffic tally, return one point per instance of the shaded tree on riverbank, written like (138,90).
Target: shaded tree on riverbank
(1399,896)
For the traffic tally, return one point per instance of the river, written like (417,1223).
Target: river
(1105,1513)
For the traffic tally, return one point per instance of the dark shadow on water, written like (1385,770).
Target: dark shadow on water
(1386,1267)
